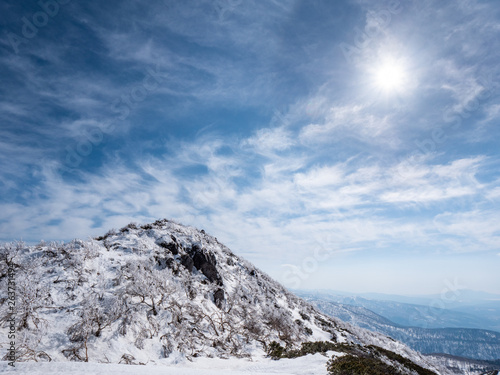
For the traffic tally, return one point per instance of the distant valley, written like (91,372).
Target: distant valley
(423,329)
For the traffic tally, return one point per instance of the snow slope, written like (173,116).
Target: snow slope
(308,365)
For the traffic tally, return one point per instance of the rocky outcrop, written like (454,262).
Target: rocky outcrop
(205,262)
(187,262)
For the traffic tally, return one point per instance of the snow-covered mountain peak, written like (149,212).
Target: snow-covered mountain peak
(149,292)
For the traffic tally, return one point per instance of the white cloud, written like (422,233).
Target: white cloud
(320,177)
(494,193)
(421,183)
(268,141)
(343,122)
(322,173)
(470,230)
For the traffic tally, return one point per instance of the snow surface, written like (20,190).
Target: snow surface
(307,365)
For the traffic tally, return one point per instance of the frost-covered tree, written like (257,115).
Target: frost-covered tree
(94,315)
(32,291)
(148,286)
(280,322)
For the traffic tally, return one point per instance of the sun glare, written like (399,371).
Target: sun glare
(390,76)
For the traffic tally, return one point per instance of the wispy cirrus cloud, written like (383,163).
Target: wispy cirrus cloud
(259,130)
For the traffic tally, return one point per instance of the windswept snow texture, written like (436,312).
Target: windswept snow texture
(144,294)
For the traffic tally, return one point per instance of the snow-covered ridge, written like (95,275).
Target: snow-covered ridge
(145,293)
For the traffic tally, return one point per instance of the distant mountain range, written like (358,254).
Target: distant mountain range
(395,320)
(469,310)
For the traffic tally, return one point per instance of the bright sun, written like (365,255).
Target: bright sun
(390,76)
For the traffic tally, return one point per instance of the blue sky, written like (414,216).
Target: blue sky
(351,145)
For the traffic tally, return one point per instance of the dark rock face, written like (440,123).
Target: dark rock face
(219,298)
(173,248)
(187,262)
(170,246)
(162,263)
(205,266)
(170,263)
(206,263)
